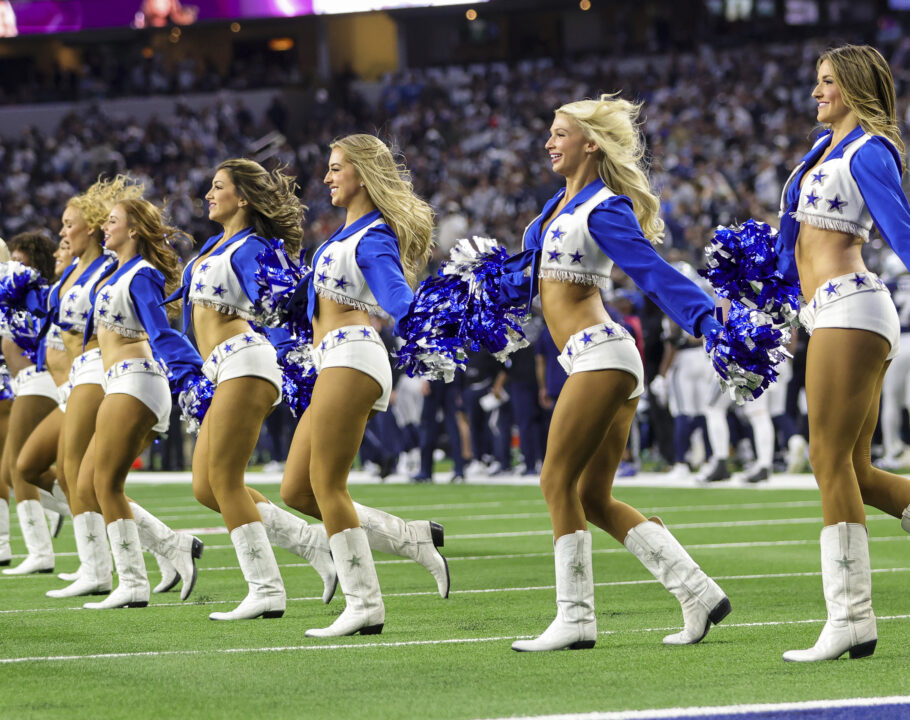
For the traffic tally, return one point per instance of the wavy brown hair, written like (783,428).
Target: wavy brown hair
(39,249)
(388,183)
(96,203)
(867,87)
(275,210)
(153,240)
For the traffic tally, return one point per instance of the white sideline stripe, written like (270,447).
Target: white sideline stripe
(715,710)
(674,526)
(372,645)
(473,591)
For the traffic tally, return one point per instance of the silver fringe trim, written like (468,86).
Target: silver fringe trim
(227,309)
(577,278)
(345,300)
(826,223)
(125,332)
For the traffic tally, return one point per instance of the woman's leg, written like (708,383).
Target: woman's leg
(844,370)
(40,451)
(78,429)
(5,550)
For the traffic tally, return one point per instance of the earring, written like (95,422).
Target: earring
(362,185)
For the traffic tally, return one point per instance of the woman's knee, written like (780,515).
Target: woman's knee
(301,499)
(204,496)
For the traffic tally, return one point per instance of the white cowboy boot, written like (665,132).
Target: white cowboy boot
(169,575)
(847,584)
(6,553)
(37,538)
(702,600)
(417,540)
(95,572)
(364,610)
(575,625)
(905,520)
(310,542)
(266,597)
(180,549)
(133,583)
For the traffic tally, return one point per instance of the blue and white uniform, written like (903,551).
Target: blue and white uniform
(359,266)
(594,230)
(225,281)
(128,300)
(858,184)
(72,311)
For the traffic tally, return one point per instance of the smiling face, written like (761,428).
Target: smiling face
(117,234)
(567,146)
(342,179)
(831,107)
(224,201)
(63,256)
(75,231)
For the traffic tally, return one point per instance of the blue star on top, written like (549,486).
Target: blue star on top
(831,288)
(366,332)
(558,233)
(84,315)
(218,290)
(554,254)
(106,296)
(203,267)
(327,260)
(73,295)
(859,280)
(818,177)
(341,335)
(609,331)
(576,257)
(102,312)
(321,277)
(341,282)
(200,287)
(812,199)
(118,317)
(586,338)
(836,203)
(69,313)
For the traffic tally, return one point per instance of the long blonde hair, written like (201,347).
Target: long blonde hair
(612,123)
(867,87)
(96,203)
(275,209)
(388,183)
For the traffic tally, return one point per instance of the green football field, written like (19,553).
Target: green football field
(451,658)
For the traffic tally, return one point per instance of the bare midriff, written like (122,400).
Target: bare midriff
(212,327)
(115,347)
(569,308)
(825,254)
(72,341)
(58,363)
(331,315)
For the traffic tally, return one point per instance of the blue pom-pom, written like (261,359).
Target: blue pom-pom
(277,276)
(458,309)
(742,266)
(746,351)
(23,328)
(298,376)
(22,287)
(194,400)
(6,385)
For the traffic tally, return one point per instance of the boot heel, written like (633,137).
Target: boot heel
(270,614)
(44,572)
(720,611)
(371,629)
(137,604)
(438,534)
(197,548)
(863,649)
(4,563)
(581,645)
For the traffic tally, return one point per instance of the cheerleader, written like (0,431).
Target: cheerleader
(605,214)
(366,266)
(6,402)
(850,179)
(70,307)
(35,397)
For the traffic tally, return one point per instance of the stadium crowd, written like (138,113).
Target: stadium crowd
(722,127)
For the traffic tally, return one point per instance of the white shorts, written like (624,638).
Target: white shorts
(607,346)
(146,381)
(31,381)
(857,301)
(87,369)
(358,347)
(246,355)
(691,382)
(63,394)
